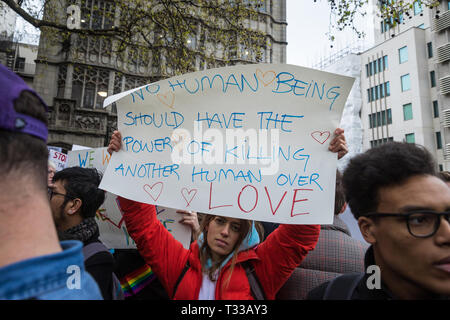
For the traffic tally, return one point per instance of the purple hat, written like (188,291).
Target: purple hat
(11,86)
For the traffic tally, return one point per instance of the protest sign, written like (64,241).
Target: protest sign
(113,232)
(248,142)
(58,158)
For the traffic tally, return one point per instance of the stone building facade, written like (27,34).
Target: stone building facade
(74,78)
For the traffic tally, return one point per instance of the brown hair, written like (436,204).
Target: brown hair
(444,175)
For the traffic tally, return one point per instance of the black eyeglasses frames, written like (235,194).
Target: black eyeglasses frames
(421,224)
(51,193)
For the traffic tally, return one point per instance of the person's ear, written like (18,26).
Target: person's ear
(75,206)
(367,227)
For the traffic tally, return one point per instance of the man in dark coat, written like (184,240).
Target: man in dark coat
(403,211)
(74,199)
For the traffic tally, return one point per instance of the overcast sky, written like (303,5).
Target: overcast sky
(308,24)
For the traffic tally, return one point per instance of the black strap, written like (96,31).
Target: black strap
(95,247)
(92,248)
(342,287)
(255,285)
(183,272)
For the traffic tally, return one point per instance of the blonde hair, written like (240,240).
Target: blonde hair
(51,164)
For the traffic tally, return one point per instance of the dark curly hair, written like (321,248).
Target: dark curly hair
(387,165)
(82,183)
(339,197)
(444,175)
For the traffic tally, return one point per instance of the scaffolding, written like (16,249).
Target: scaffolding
(327,60)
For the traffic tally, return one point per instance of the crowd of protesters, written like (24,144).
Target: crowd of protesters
(48,230)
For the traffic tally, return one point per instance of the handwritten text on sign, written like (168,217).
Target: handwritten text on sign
(246,141)
(113,232)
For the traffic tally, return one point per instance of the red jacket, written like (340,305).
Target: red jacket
(274,259)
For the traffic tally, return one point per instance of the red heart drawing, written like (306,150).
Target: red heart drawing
(188,195)
(155,190)
(320,136)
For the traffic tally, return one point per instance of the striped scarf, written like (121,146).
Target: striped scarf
(86,230)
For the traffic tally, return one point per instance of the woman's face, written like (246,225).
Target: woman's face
(223,233)
(51,173)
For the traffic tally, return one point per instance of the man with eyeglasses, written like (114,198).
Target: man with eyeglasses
(74,199)
(403,211)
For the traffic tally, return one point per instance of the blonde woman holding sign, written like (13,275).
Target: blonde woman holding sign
(228,261)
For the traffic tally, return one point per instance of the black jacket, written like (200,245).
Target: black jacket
(101,266)
(362,292)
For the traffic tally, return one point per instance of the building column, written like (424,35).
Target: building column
(69,78)
(112,76)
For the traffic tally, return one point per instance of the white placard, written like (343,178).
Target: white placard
(113,232)
(58,158)
(249,142)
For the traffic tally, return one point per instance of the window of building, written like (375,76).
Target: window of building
(380,118)
(432,79)
(410,138)
(435,109)
(403,54)
(430,50)
(406,82)
(407,112)
(417,8)
(378,142)
(62,74)
(389,116)
(378,92)
(90,86)
(386,25)
(421,26)
(438,140)
(191,41)
(376,66)
(262,6)
(20,65)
